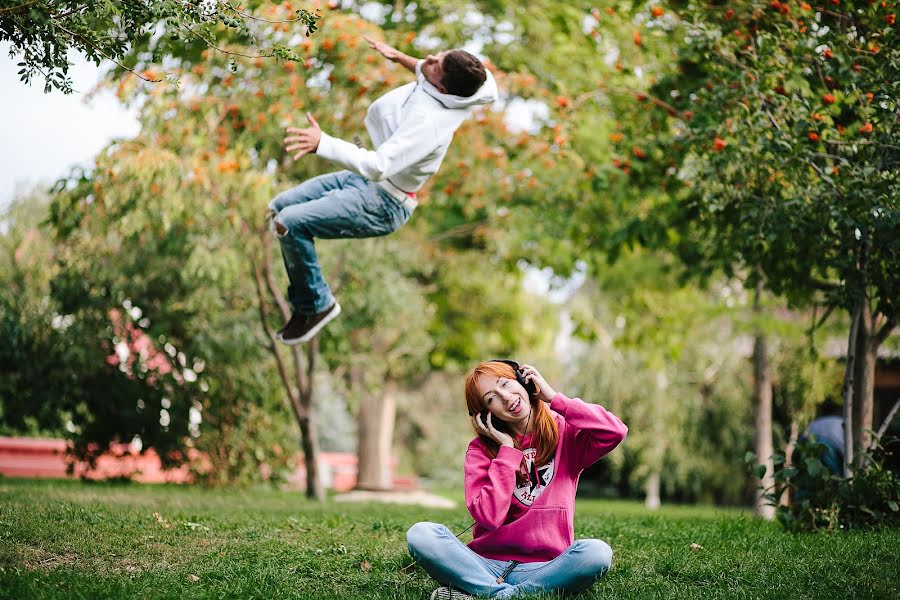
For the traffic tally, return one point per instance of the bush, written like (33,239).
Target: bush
(822,500)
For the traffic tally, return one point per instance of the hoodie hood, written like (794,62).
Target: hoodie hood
(486,94)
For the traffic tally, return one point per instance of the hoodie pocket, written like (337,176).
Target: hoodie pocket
(543,532)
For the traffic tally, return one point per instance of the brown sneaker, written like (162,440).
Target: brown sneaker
(302,328)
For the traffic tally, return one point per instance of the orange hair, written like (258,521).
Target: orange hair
(544,432)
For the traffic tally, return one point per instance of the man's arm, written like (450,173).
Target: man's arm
(392,54)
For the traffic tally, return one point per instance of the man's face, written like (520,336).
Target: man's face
(433,70)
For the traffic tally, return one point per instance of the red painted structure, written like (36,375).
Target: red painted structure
(42,458)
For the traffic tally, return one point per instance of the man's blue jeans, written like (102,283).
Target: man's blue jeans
(332,206)
(452,563)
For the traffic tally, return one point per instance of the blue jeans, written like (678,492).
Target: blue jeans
(332,206)
(451,562)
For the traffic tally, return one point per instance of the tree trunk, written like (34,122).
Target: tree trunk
(307,420)
(864,382)
(376,433)
(762,396)
(849,373)
(652,501)
(299,389)
(785,499)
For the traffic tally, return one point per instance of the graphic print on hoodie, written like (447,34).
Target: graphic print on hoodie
(538,478)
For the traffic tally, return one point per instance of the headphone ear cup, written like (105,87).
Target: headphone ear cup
(529,386)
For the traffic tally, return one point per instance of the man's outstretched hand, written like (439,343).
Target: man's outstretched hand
(303,141)
(382,48)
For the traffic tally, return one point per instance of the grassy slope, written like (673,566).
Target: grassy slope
(67,539)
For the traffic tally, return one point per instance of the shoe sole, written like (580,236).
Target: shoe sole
(334,312)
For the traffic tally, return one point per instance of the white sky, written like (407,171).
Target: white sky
(43,135)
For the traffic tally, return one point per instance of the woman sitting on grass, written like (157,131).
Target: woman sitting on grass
(521,474)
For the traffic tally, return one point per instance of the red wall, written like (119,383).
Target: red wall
(30,457)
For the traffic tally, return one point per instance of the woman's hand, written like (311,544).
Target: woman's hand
(386,51)
(531,374)
(504,439)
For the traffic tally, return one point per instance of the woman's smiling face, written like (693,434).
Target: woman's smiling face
(505,398)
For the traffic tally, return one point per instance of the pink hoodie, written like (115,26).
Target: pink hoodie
(534,522)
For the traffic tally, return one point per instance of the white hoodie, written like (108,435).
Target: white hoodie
(411,127)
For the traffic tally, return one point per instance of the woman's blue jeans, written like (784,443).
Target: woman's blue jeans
(332,206)
(452,563)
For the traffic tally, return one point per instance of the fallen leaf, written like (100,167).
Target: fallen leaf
(192,578)
(366,566)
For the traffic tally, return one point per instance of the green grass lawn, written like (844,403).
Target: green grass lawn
(65,539)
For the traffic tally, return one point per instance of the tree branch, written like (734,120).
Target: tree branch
(815,325)
(887,421)
(270,279)
(822,175)
(884,332)
(771,118)
(603,88)
(77,9)
(272,347)
(861,143)
(209,43)
(824,286)
(106,56)
(462,229)
(312,350)
(255,18)
(17,8)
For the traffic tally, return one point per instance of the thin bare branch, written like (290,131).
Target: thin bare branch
(825,286)
(462,229)
(817,324)
(298,372)
(861,143)
(270,278)
(887,421)
(885,331)
(77,9)
(260,19)
(620,90)
(212,45)
(772,119)
(731,60)
(824,177)
(272,347)
(312,351)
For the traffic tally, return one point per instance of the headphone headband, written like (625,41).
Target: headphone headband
(508,361)
(530,387)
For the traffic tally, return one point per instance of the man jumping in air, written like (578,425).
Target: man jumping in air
(411,128)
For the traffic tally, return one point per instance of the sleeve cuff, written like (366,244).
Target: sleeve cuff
(559,403)
(326,146)
(509,456)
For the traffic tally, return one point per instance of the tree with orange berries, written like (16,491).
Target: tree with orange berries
(780,147)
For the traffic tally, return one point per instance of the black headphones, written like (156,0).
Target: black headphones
(529,386)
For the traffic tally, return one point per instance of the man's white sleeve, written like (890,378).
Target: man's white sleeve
(415,139)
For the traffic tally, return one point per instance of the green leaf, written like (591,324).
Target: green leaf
(814,466)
